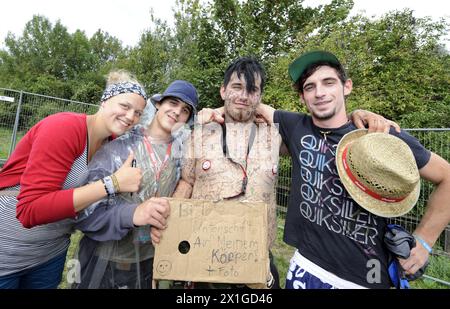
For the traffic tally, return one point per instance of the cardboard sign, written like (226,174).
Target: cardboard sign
(208,241)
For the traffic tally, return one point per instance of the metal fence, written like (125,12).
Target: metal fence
(436,140)
(20,110)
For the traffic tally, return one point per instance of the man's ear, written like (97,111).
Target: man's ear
(302,98)
(157,105)
(348,86)
(222,92)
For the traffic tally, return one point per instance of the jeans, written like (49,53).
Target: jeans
(45,276)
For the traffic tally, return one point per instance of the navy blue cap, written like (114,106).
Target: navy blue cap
(182,90)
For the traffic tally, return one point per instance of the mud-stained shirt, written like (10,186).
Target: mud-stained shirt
(240,164)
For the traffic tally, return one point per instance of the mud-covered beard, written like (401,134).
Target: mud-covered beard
(239,115)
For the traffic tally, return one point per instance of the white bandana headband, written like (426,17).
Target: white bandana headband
(126,87)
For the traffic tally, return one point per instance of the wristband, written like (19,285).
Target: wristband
(109,185)
(423,243)
(106,188)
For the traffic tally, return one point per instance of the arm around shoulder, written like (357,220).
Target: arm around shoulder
(265,112)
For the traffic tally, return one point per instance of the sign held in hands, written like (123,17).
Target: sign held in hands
(208,241)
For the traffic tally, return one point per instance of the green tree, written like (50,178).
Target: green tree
(264,28)
(106,48)
(49,60)
(151,59)
(397,63)
(206,39)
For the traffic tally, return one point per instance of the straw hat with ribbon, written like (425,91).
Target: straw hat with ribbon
(379,172)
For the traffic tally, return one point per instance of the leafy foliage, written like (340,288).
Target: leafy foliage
(47,59)
(398,64)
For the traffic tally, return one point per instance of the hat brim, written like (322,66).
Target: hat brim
(369,203)
(156,98)
(302,63)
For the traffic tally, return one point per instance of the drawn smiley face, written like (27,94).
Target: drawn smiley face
(164,267)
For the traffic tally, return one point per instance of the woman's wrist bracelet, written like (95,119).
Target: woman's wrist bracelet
(115,183)
(104,185)
(109,186)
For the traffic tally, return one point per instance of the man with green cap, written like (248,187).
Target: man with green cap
(226,162)
(339,243)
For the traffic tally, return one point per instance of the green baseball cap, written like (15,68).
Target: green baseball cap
(301,64)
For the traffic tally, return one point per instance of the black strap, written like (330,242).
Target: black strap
(251,140)
(249,147)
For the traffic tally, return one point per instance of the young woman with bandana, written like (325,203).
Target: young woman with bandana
(116,250)
(41,184)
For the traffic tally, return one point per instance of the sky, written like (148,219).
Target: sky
(128,19)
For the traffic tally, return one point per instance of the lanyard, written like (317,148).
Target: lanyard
(153,158)
(249,147)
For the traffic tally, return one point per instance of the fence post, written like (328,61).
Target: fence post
(16,125)
(447,240)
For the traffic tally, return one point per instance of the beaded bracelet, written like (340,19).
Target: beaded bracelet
(423,243)
(106,188)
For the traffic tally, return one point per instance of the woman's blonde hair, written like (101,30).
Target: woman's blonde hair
(122,81)
(121,76)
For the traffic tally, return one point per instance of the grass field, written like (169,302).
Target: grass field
(70,254)
(439,265)
(5,142)
(438,268)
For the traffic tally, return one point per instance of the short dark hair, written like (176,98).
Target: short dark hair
(189,106)
(298,86)
(247,66)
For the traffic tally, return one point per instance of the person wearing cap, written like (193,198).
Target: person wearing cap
(116,249)
(41,183)
(237,159)
(338,223)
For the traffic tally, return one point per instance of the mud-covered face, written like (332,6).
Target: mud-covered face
(240,104)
